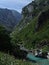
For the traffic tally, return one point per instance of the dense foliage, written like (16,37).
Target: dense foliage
(6,59)
(5,44)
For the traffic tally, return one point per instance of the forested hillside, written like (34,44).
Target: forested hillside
(33,30)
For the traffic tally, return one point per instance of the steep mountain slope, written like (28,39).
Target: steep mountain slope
(36,33)
(9,18)
(32,10)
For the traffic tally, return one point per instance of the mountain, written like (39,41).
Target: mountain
(32,10)
(33,32)
(17,15)
(9,18)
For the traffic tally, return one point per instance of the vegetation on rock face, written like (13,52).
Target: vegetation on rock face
(33,10)
(29,35)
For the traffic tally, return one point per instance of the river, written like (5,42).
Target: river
(39,61)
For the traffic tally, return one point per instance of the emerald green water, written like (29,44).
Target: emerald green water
(39,61)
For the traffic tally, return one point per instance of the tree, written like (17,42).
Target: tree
(5,44)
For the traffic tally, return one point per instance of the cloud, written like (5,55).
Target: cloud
(14,4)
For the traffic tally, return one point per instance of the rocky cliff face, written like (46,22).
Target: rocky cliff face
(34,27)
(32,10)
(34,6)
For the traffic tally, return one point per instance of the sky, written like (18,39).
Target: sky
(14,4)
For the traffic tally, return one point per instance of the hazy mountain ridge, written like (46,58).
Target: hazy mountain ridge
(9,18)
